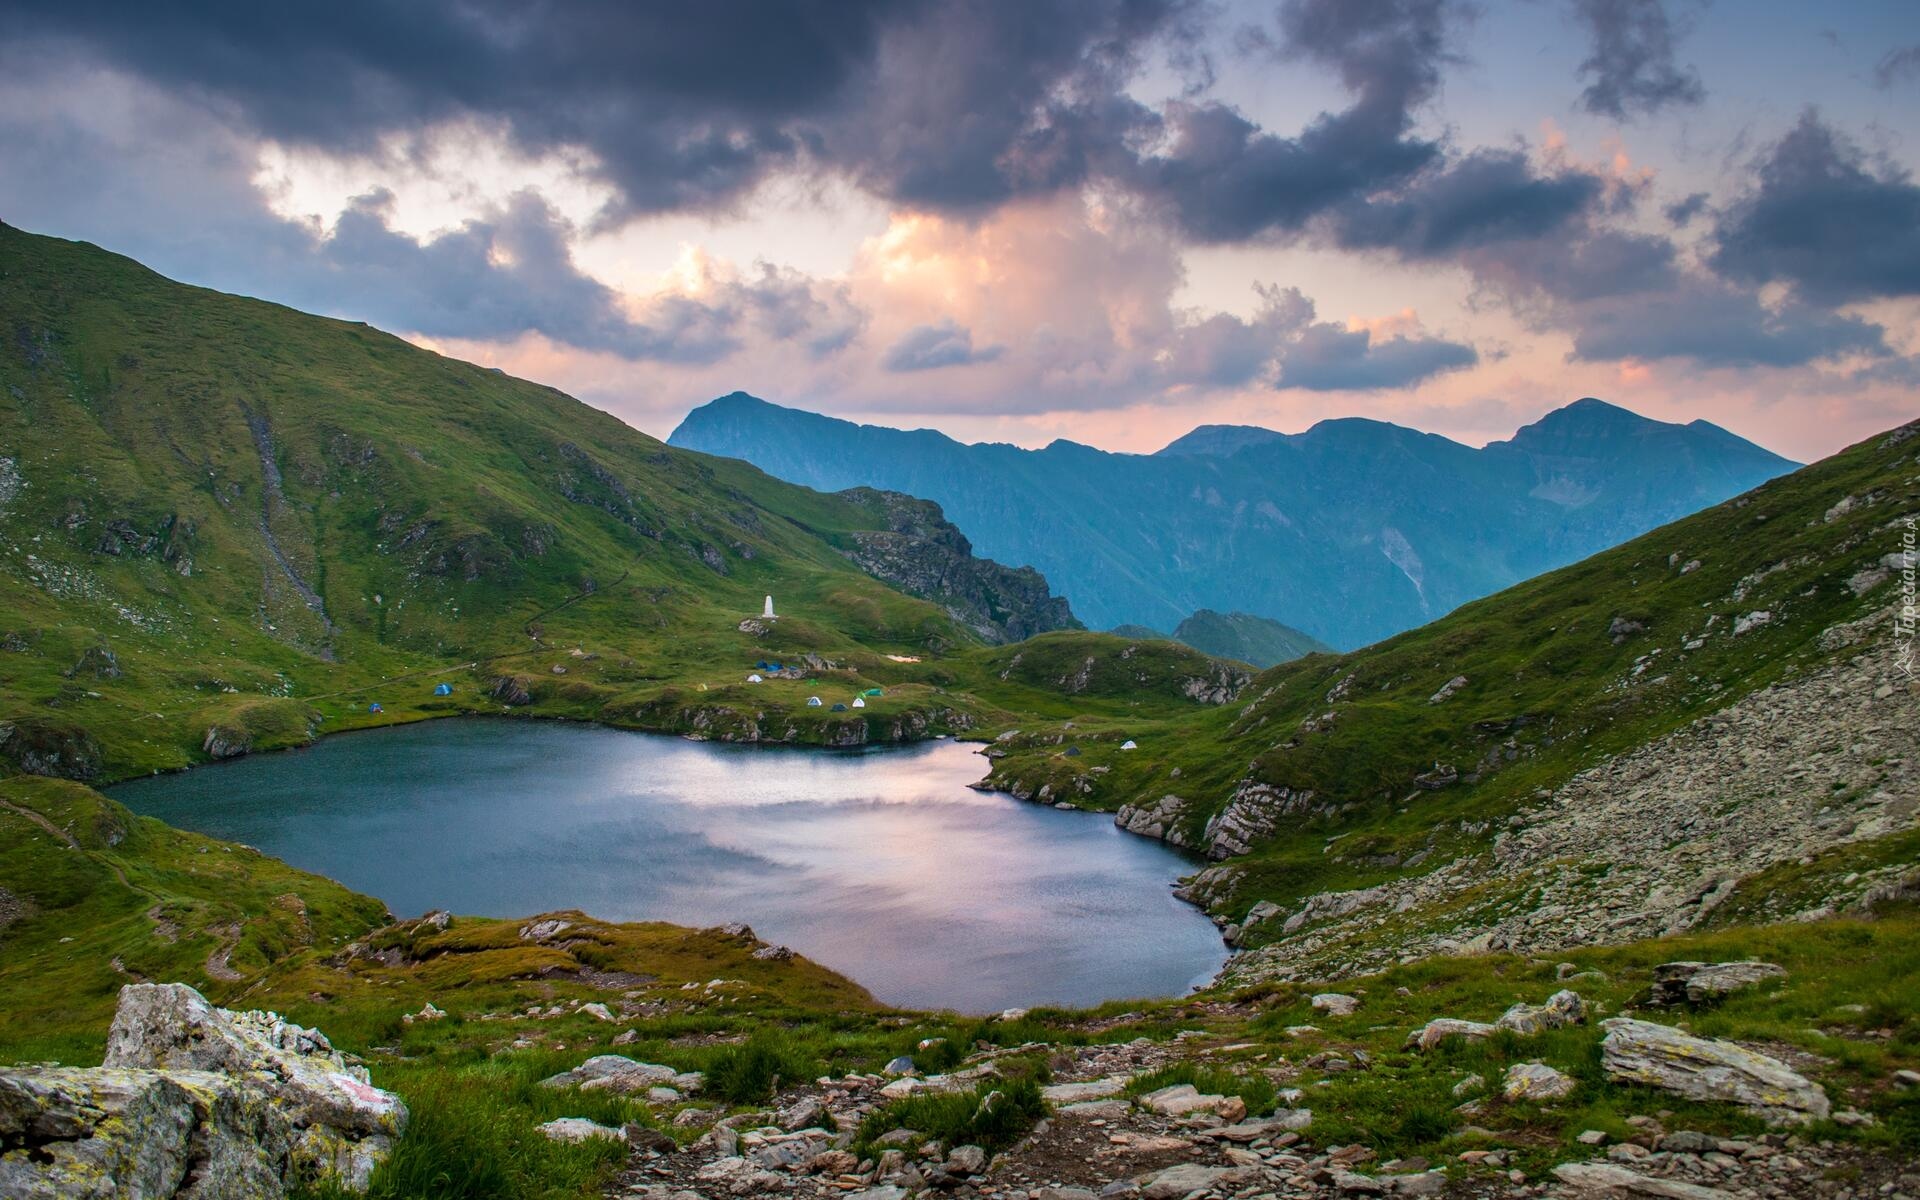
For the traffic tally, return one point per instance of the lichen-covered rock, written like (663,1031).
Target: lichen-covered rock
(83,1132)
(341,1123)
(1706,1069)
(1563,1008)
(618,1073)
(1703,983)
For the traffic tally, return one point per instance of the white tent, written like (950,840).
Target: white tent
(858,702)
(1129,744)
(813,702)
(753,679)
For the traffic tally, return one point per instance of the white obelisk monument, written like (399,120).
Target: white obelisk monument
(769,610)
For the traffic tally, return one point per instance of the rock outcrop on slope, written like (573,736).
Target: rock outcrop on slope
(1647,843)
(197,1102)
(925,555)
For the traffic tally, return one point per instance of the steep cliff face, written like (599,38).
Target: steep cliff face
(923,554)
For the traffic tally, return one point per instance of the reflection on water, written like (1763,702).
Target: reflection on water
(883,865)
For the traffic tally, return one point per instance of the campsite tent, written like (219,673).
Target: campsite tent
(761,665)
(753,679)
(374,708)
(1129,744)
(445,689)
(859,703)
(813,702)
(873,692)
(839,708)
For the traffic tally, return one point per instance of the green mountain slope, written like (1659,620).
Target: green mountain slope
(1730,684)
(1351,531)
(225,524)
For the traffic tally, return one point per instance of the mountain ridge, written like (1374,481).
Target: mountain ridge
(1350,531)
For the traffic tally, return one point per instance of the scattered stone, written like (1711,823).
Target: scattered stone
(1335,1004)
(1447,690)
(1077,1093)
(614,1073)
(967,1160)
(579,1129)
(1704,1069)
(1536,1081)
(1177,1182)
(1607,1179)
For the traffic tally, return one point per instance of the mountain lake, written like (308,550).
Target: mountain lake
(882,864)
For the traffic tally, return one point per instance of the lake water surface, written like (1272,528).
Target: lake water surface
(881,864)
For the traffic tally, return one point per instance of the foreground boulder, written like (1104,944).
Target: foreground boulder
(1706,1069)
(84,1132)
(194,1101)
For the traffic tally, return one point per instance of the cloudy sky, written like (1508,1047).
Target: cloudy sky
(1108,220)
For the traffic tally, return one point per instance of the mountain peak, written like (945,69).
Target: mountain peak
(1221,440)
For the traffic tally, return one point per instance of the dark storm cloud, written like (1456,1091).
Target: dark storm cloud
(1224,179)
(957,107)
(1592,264)
(1284,346)
(1682,212)
(1329,357)
(1898,66)
(943,344)
(1718,326)
(1824,219)
(1487,196)
(512,274)
(684,105)
(1631,64)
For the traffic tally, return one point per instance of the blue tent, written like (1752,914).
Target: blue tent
(839,708)
(761,665)
(778,667)
(374,708)
(445,689)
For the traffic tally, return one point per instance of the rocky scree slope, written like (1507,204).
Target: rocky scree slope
(1703,716)
(1351,531)
(214,511)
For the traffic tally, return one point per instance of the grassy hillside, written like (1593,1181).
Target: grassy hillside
(225,525)
(1381,763)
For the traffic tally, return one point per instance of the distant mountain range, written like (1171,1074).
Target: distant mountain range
(1262,641)
(1351,532)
